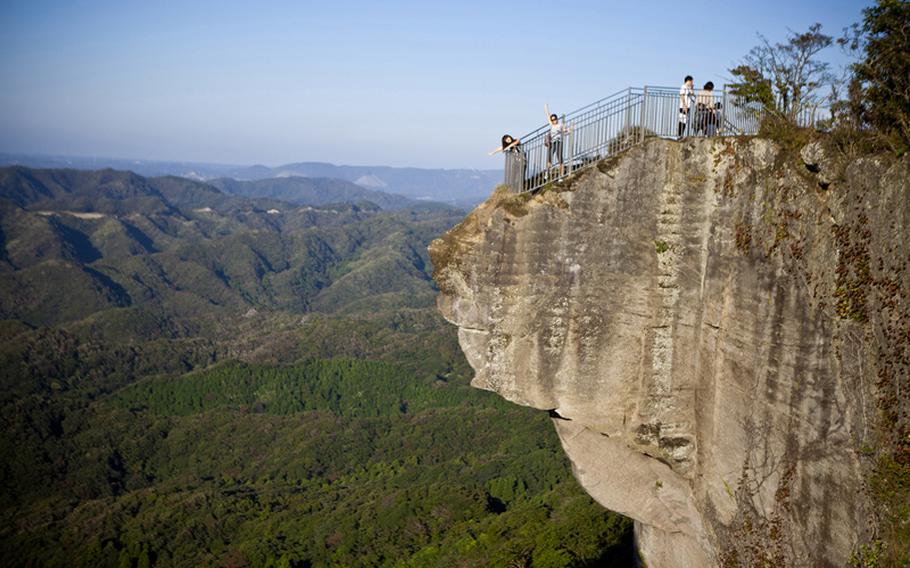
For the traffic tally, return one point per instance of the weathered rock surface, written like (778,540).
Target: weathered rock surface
(707,319)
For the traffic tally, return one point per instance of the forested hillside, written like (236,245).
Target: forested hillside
(193,378)
(462,187)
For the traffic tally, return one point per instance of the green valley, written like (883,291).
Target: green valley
(192,378)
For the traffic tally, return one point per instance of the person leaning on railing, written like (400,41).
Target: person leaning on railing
(706,111)
(516,161)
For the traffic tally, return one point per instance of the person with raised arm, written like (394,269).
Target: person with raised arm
(516,161)
(554,142)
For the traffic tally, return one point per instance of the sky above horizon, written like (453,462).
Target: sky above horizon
(420,84)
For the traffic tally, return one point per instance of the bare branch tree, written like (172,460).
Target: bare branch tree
(785,77)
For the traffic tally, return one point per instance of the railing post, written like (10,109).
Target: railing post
(509,173)
(628,112)
(644,109)
(570,146)
(723,110)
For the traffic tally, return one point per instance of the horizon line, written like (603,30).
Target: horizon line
(224,164)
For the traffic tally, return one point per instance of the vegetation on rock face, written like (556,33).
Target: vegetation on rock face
(877,113)
(874,115)
(190,380)
(871,120)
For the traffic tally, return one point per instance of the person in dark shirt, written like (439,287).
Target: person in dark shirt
(706,110)
(516,162)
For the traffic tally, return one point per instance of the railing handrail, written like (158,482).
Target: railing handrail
(577,111)
(621,120)
(617,95)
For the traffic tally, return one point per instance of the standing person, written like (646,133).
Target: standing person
(686,95)
(706,111)
(553,142)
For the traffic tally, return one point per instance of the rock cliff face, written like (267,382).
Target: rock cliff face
(706,321)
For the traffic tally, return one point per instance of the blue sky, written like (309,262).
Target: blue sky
(425,84)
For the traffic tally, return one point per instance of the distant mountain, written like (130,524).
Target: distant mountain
(104,191)
(461,187)
(198,171)
(115,193)
(73,243)
(312,191)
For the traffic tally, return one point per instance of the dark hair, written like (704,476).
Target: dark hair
(552,116)
(506,140)
(709,86)
(688,78)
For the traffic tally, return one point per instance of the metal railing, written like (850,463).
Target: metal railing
(615,123)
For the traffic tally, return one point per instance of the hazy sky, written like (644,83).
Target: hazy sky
(384,82)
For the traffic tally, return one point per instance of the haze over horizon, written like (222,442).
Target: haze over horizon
(355,83)
(103,159)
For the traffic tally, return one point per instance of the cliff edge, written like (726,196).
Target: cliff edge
(708,322)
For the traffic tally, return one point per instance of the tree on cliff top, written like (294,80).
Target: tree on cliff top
(880,89)
(785,77)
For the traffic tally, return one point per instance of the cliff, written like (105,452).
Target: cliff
(709,323)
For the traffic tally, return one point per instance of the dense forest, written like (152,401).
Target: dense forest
(192,378)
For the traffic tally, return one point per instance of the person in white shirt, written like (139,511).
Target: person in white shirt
(686,94)
(553,142)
